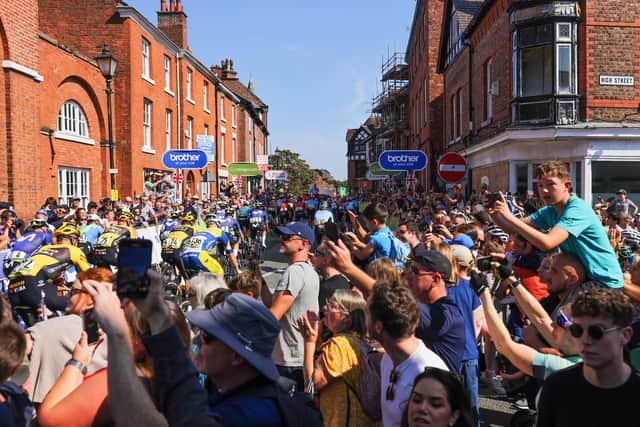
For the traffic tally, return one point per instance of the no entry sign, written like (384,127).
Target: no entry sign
(452,168)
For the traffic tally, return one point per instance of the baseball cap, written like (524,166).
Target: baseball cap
(245,326)
(93,217)
(298,229)
(435,262)
(621,191)
(463,255)
(42,211)
(462,239)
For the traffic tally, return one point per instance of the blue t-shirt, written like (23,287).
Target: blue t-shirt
(467,301)
(381,244)
(442,329)
(587,239)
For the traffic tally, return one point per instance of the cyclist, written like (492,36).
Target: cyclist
(199,251)
(312,207)
(231,226)
(244,212)
(259,220)
(298,210)
(220,212)
(41,278)
(322,217)
(38,235)
(172,245)
(92,230)
(284,212)
(169,224)
(105,250)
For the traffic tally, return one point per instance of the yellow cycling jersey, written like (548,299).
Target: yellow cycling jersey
(53,260)
(178,235)
(113,234)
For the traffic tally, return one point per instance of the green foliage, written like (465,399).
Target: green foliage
(301,176)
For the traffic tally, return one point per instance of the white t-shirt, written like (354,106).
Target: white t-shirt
(408,370)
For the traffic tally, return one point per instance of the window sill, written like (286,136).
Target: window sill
(206,110)
(223,120)
(74,138)
(486,122)
(169,91)
(190,101)
(148,80)
(148,150)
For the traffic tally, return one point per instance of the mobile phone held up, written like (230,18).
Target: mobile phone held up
(90,325)
(134,258)
(493,198)
(331,231)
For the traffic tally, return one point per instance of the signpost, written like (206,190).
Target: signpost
(207,144)
(402,160)
(184,159)
(243,169)
(452,168)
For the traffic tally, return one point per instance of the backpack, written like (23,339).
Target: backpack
(400,251)
(369,392)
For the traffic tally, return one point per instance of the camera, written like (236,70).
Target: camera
(483,263)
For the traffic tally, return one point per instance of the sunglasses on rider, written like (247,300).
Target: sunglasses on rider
(595,332)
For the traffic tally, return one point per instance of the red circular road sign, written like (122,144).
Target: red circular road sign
(452,168)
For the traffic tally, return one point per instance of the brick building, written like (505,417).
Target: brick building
(52,93)
(426,85)
(526,82)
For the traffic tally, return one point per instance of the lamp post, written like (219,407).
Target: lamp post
(108,64)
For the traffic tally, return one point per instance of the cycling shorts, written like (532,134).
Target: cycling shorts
(26,291)
(105,256)
(172,256)
(201,261)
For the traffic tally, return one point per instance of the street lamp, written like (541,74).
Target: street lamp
(107,64)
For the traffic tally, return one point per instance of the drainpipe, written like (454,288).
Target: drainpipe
(471,121)
(216,141)
(179,120)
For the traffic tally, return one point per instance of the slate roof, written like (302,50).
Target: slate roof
(242,91)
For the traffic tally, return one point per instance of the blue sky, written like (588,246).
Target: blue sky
(315,64)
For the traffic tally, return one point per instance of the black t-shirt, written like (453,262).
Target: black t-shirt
(568,399)
(442,330)
(329,286)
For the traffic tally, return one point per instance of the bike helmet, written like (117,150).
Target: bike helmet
(211,219)
(497,232)
(123,215)
(38,223)
(228,211)
(175,214)
(187,216)
(258,205)
(67,230)
(625,252)
(324,204)
(222,205)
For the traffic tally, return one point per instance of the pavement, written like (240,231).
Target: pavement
(494,411)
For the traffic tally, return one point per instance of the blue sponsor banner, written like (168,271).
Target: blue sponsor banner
(403,160)
(184,159)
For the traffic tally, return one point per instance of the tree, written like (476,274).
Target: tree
(300,175)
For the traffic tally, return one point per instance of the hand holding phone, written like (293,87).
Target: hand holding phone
(90,325)
(331,231)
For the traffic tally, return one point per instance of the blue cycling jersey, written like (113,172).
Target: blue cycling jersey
(258,216)
(231,226)
(205,241)
(312,204)
(244,212)
(220,213)
(31,241)
(170,224)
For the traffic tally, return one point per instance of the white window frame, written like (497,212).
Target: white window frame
(569,48)
(233,114)
(222,108)
(147,111)
(167,75)
(222,141)
(189,133)
(206,129)
(74,182)
(488,95)
(167,129)
(72,124)
(233,148)
(460,111)
(189,84)
(146,55)
(205,96)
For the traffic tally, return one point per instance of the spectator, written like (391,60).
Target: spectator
(201,285)
(52,341)
(296,292)
(622,204)
(335,373)
(441,325)
(15,407)
(384,270)
(409,233)
(248,283)
(602,390)
(571,223)
(438,400)
(332,279)
(394,314)
(379,237)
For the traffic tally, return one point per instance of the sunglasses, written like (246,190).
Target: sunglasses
(393,379)
(595,332)
(420,272)
(287,237)
(206,337)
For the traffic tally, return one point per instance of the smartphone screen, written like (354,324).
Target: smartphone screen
(331,231)
(134,258)
(90,325)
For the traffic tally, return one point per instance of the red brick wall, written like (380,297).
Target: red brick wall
(456,79)
(611,36)
(68,77)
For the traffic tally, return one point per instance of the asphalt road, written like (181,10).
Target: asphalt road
(494,411)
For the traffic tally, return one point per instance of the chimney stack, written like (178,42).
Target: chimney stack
(173,23)
(228,73)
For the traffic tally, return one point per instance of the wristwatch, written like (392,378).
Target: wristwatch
(515,284)
(76,364)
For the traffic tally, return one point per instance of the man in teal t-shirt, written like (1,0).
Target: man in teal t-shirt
(569,223)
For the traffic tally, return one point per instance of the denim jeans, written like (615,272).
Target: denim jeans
(470,373)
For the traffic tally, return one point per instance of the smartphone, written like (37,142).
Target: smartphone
(90,325)
(484,263)
(493,198)
(134,258)
(331,231)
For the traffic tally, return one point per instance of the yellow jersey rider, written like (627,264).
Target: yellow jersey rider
(41,275)
(172,245)
(105,249)
(199,250)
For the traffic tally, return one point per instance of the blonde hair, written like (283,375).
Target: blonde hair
(446,250)
(384,270)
